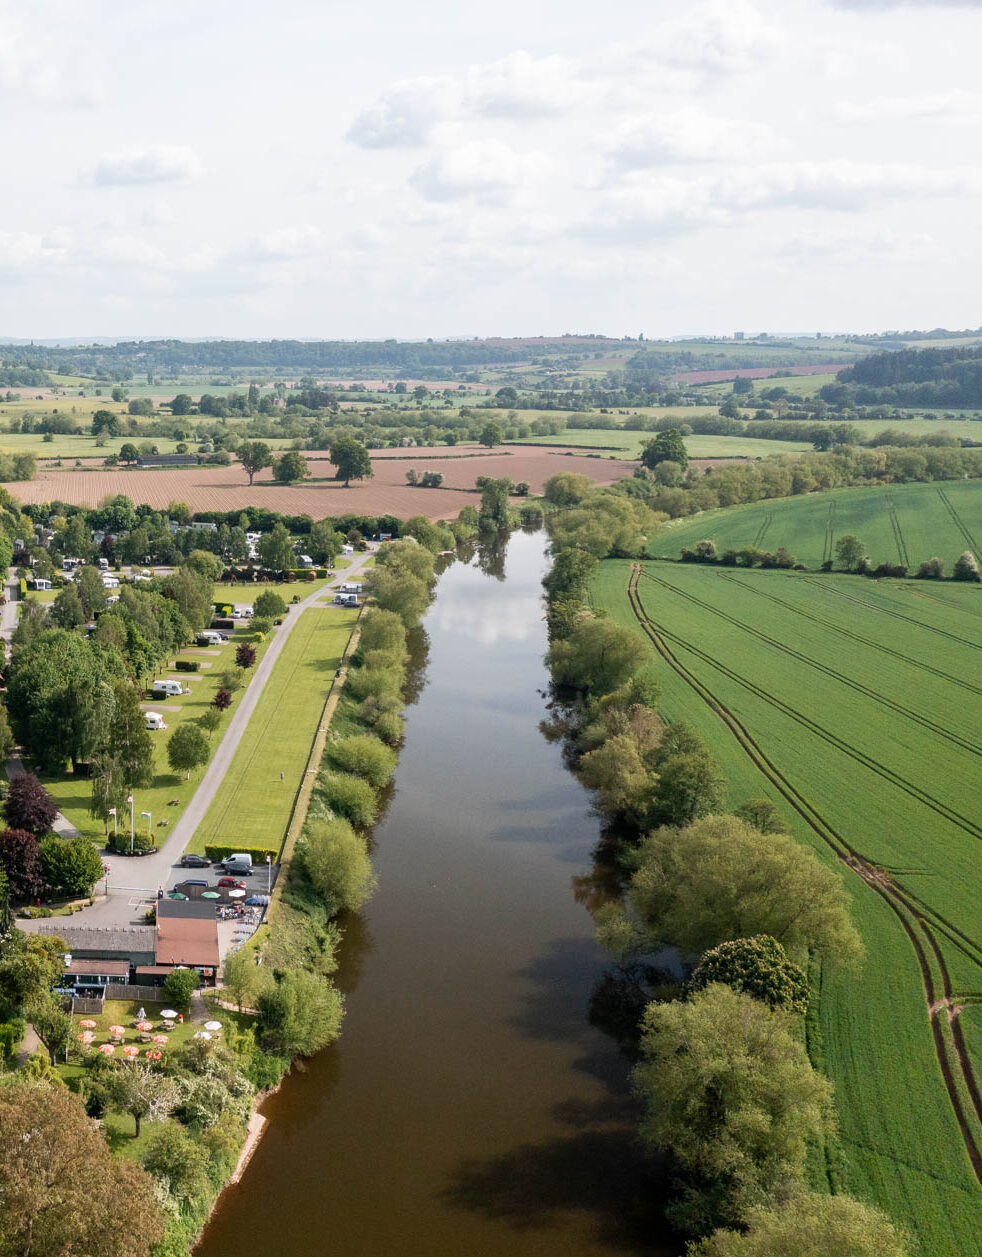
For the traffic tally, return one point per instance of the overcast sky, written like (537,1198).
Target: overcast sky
(366,168)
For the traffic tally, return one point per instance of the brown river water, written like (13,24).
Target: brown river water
(469,1107)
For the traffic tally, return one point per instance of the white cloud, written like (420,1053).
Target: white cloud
(858,242)
(903,4)
(951,106)
(645,210)
(283,244)
(487,171)
(404,116)
(521,86)
(676,138)
(142,164)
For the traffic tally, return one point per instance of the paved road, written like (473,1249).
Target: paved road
(133,880)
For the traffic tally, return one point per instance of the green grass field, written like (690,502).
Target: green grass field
(253,804)
(71,794)
(628,444)
(860,702)
(899,523)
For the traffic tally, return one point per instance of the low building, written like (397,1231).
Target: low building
(191,942)
(134,944)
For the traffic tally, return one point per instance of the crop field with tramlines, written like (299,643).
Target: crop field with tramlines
(857,707)
(899,523)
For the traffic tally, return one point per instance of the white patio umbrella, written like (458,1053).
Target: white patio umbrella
(213,1025)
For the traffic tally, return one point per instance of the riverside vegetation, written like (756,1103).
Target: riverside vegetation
(727,1063)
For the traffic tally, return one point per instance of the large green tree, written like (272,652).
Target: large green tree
(254,456)
(720,879)
(291,467)
(809,1225)
(187,749)
(72,867)
(598,656)
(732,1099)
(351,459)
(666,446)
(62,1192)
(300,1015)
(59,695)
(275,550)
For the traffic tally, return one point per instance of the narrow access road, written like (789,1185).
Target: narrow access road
(134,881)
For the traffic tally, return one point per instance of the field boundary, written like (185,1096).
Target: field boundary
(950,1048)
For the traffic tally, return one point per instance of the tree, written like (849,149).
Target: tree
(62,1192)
(20,859)
(6,736)
(67,610)
(127,738)
(756,966)
(30,965)
(205,564)
(566,488)
(731,1097)
(182,404)
(187,749)
(326,542)
(143,1092)
(275,550)
(254,456)
(337,862)
(966,567)
(402,593)
(351,797)
(300,1015)
(690,786)
(223,699)
(491,435)
(291,467)
(763,815)
(241,977)
(667,446)
(494,499)
(180,985)
(90,589)
(128,453)
(849,550)
(52,1022)
(245,655)
(269,605)
(29,806)
(382,630)
(597,657)
(720,879)
(72,867)
(59,695)
(105,421)
(365,756)
(210,719)
(809,1225)
(179,1162)
(351,459)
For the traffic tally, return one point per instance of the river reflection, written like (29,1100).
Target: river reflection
(470,1106)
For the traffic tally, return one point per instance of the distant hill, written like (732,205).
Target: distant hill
(912,377)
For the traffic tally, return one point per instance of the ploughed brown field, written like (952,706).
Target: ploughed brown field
(227,488)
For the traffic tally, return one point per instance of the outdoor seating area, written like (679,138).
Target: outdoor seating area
(130,1030)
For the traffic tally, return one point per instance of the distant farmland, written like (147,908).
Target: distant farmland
(857,708)
(899,523)
(227,488)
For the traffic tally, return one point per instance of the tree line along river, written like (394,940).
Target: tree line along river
(469,1107)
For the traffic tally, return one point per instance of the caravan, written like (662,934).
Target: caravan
(154,720)
(170,689)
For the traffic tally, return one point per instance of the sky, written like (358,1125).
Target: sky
(342,169)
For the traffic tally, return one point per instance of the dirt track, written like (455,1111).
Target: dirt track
(227,488)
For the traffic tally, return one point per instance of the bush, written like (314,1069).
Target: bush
(365,756)
(755,966)
(376,682)
(258,854)
(350,797)
(187,665)
(337,862)
(180,985)
(260,625)
(269,605)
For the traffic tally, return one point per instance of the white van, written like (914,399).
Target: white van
(241,864)
(210,638)
(173,689)
(155,720)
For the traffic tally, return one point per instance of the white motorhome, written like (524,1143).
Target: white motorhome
(154,720)
(173,689)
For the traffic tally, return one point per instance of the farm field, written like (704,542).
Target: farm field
(899,523)
(227,488)
(698,447)
(253,805)
(170,793)
(855,708)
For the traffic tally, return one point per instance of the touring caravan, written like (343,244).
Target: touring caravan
(154,720)
(170,689)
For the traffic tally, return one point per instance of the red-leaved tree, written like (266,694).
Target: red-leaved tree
(222,699)
(20,859)
(245,656)
(29,806)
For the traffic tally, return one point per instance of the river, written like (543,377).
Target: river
(469,1107)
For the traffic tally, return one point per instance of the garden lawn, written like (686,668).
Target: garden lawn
(253,805)
(865,698)
(170,793)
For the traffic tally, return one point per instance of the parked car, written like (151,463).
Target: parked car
(194,881)
(257,901)
(232,883)
(191,861)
